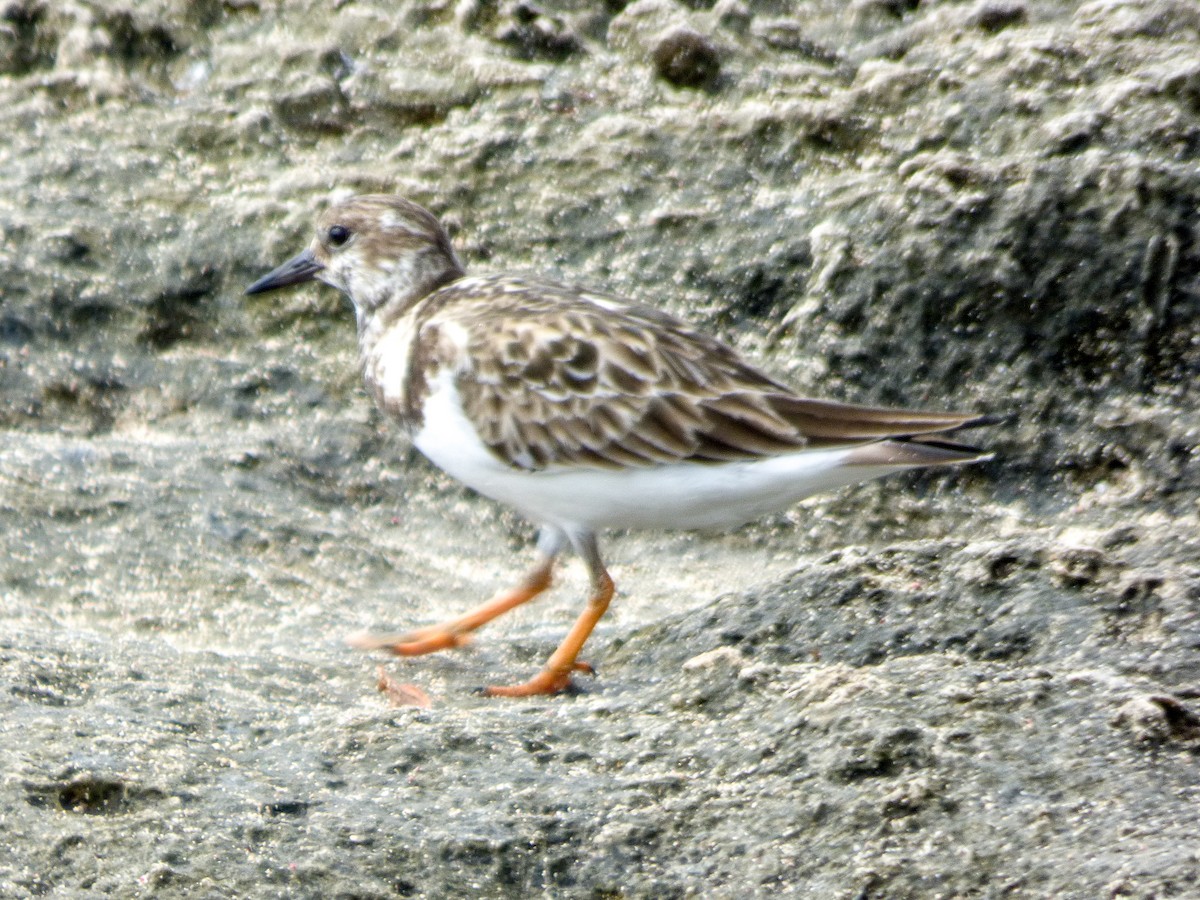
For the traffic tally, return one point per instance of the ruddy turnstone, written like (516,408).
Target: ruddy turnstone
(581,410)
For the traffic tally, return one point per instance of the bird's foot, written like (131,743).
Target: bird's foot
(413,643)
(548,681)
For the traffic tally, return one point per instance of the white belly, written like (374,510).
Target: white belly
(681,495)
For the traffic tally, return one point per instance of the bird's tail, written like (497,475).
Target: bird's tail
(905,452)
(927,449)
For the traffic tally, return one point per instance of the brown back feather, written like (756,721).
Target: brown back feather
(564,377)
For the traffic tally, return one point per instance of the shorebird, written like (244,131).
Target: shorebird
(581,410)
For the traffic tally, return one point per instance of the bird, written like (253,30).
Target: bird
(581,410)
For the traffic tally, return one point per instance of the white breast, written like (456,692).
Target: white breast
(386,363)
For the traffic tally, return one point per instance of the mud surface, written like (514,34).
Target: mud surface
(980,684)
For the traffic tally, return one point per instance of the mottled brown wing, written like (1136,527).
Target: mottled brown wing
(567,378)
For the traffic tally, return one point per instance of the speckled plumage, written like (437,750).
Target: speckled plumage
(552,375)
(582,410)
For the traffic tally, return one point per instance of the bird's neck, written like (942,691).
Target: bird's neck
(378,306)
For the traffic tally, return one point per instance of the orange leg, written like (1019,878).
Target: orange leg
(556,674)
(456,632)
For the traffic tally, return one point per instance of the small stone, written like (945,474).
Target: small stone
(316,104)
(409,96)
(469,14)
(732,14)
(996,15)
(686,58)
(1159,718)
(532,33)
(789,35)
(720,656)
(1077,566)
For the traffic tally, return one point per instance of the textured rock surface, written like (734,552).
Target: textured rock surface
(983,684)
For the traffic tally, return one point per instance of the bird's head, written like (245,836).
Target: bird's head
(381,251)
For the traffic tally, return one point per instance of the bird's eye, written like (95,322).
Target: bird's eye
(338,235)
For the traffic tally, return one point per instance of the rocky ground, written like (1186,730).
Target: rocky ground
(979,684)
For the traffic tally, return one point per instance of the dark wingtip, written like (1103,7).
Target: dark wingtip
(915,452)
(985,420)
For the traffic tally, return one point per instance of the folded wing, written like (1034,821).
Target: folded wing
(593,381)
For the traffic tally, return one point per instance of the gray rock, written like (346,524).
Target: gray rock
(979,684)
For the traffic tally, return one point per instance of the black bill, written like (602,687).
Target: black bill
(300,268)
